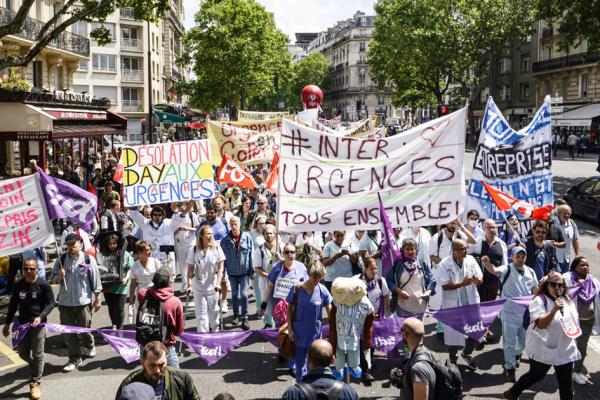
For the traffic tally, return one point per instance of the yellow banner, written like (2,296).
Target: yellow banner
(246,142)
(260,115)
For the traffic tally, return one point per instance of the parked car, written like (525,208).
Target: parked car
(584,198)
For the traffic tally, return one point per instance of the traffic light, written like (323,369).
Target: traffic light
(442,110)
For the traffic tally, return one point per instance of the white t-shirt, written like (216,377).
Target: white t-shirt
(205,267)
(315,240)
(143,276)
(371,246)
(550,345)
(570,234)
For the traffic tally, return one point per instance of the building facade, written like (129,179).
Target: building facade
(353,93)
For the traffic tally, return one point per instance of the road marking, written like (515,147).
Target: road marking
(12,356)
(594,344)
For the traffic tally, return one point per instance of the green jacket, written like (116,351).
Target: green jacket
(178,384)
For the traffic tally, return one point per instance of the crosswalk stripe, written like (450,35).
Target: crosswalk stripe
(12,356)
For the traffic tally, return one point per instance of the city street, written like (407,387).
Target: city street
(251,371)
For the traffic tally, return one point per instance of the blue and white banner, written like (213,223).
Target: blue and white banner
(515,162)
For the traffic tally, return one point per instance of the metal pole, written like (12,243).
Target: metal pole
(149,117)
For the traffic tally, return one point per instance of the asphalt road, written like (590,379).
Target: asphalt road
(251,371)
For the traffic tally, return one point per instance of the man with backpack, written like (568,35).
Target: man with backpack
(160,315)
(77,274)
(319,383)
(423,377)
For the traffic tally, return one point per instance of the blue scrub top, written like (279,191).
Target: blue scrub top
(307,321)
(298,271)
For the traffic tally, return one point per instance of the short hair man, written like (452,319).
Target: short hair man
(319,377)
(418,381)
(168,383)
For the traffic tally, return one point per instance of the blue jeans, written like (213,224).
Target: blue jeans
(239,293)
(172,360)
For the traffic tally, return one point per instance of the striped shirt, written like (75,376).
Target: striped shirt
(81,282)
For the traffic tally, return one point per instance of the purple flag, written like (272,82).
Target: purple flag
(211,347)
(18,333)
(523,301)
(270,335)
(473,319)
(67,201)
(389,246)
(123,342)
(386,332)
(55,328)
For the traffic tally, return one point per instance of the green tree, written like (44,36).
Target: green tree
(237,52)
(579,19)
(311,70)
(424,48)
(71,12)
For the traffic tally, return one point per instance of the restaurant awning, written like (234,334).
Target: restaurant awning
(28,122)
(169,117)
(581,116)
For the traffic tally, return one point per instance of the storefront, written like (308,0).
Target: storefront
(55,133)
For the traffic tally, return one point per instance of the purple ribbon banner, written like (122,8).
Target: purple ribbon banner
(473,320)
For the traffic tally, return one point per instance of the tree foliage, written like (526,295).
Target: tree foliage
(579,20)
(311,70)
(422,47)
(71,12)
(238,54)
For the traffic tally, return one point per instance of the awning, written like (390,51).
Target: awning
(169,117)
(581,116)
(27,122)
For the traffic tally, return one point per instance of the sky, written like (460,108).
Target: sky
(293,16)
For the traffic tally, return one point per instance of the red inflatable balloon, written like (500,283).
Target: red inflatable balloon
(311,96)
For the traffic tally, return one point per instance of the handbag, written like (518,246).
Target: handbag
(286,346)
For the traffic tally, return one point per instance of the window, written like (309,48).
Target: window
(380,100)
(107,25)
(524,88)
(483,95)
(9,5)
(38,74)
(546,87)
(109,92)
(80,28)
(503,92)
(83,66)
(362,46)
(103,62)
(129,33)
(548,52)
(130,94)
(363,21)
(130,63)
(504,65)
(525,62)
(583,85)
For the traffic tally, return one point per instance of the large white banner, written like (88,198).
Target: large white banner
(516,162)
(329,182)
(24,223)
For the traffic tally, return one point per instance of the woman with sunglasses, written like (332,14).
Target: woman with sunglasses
(142,270)
(547,342)
(585,290)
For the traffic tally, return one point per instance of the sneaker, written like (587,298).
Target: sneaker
(508,395)
(355,372)
(509,374)
(368,378)
(579,379)
(245,325)
(490,337)
(34,391)
(268,326)
(281,359)
(480,345)
(71,366)
(224,308)
(91,353)
(338,375)
(518,360)
(469,361)
(235,320)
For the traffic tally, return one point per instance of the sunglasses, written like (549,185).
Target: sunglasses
(289,252)
(29,269)
(556,284)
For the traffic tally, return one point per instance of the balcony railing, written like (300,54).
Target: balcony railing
(547,32)
(131,44)
(132,106)
(566,61)
(127,13)
(132,75)
(31,28)
(176,74)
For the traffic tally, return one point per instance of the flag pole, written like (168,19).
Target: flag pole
(64,281)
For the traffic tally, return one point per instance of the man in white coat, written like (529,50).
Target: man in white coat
(185,238)
(459,275)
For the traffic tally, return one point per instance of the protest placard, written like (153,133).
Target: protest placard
(247,143)
(516,162)
(244,115)
(24,223)
(331,182)
(167,172)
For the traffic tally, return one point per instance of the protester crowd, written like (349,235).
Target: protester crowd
(139,260)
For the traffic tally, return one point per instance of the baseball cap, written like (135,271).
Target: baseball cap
(71,237)
(518,249)
(162,277)
(137,391)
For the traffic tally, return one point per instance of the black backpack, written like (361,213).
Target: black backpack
(311,393)
(448,380)
(150,321)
